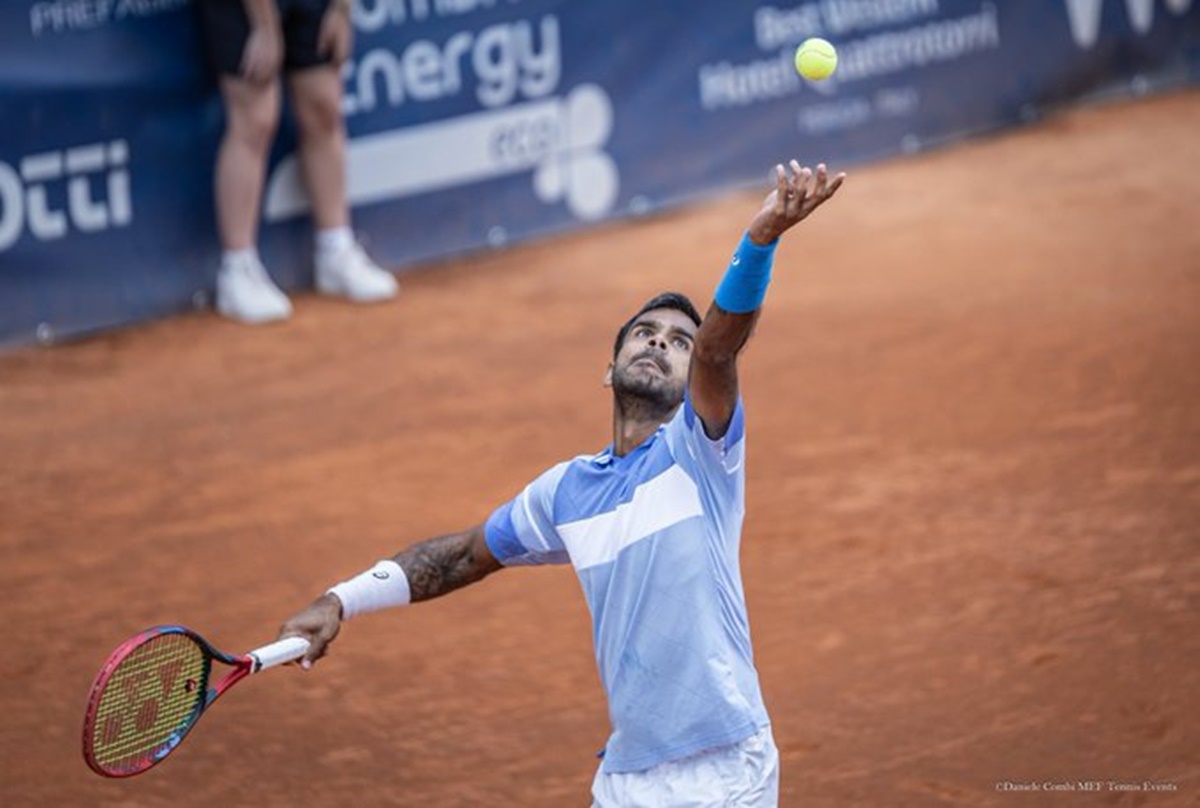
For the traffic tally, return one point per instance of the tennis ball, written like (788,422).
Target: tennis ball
(816,59)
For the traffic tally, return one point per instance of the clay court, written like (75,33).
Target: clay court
(971,552)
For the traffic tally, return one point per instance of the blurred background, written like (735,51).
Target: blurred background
(479,123)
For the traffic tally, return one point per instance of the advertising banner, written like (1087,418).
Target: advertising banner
(479,123)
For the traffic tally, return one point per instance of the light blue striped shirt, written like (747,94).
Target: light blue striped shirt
(654,539)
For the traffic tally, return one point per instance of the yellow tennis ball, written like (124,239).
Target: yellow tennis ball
(816,59)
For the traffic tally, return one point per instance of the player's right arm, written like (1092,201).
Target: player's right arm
(437,566)
(431,568)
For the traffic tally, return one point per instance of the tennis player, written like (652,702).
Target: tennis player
(652,525)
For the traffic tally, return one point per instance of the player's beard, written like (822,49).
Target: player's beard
(645,396)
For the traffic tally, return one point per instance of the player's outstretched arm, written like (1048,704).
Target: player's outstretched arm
(437,566)
(713,382)
(425,570)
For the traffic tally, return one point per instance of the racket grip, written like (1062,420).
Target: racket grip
(277,653)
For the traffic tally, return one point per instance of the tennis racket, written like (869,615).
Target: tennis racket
(153,689)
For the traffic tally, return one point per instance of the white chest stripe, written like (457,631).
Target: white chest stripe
(668,499)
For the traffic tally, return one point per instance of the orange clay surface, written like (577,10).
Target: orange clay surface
(972,552)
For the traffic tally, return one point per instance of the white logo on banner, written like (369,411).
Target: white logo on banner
(512,68)
(875,38)
(1084,17)
(560,140)
(96,184)
(60,16)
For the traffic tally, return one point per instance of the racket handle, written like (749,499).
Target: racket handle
(277,653)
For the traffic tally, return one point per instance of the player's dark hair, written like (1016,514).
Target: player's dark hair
(667,300)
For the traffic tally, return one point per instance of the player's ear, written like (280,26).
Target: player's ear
(608,375)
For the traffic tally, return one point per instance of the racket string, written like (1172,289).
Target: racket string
(150,699)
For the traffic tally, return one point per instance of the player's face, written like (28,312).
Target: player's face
(653,361)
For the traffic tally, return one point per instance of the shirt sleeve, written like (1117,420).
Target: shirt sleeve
(522,531)
(717,467)
(720,458)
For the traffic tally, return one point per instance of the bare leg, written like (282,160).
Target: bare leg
(316,95)
(244,290)
(251,118)
(342,268)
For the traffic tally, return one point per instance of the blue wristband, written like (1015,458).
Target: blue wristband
(745,283)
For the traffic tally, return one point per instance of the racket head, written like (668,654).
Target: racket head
(150,691)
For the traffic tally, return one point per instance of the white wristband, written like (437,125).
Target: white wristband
(381,587)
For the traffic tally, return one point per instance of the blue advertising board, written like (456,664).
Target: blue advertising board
(478,123)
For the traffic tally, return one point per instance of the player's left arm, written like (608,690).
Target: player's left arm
(713,380)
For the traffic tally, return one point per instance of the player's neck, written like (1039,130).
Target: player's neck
(633,425)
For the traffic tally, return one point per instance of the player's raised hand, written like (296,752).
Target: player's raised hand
(796,194)
(318,623)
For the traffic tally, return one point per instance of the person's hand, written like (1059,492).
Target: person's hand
(319,623)
(795,196)
(263,55)
(336,37)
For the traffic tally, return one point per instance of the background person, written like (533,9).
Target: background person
(249,43)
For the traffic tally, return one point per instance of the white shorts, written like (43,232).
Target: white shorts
(742,774)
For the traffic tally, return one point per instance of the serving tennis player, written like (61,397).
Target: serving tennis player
(652,525)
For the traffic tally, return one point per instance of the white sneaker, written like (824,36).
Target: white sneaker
(246,292)
(350,273)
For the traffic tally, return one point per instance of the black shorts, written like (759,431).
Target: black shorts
(225,28)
